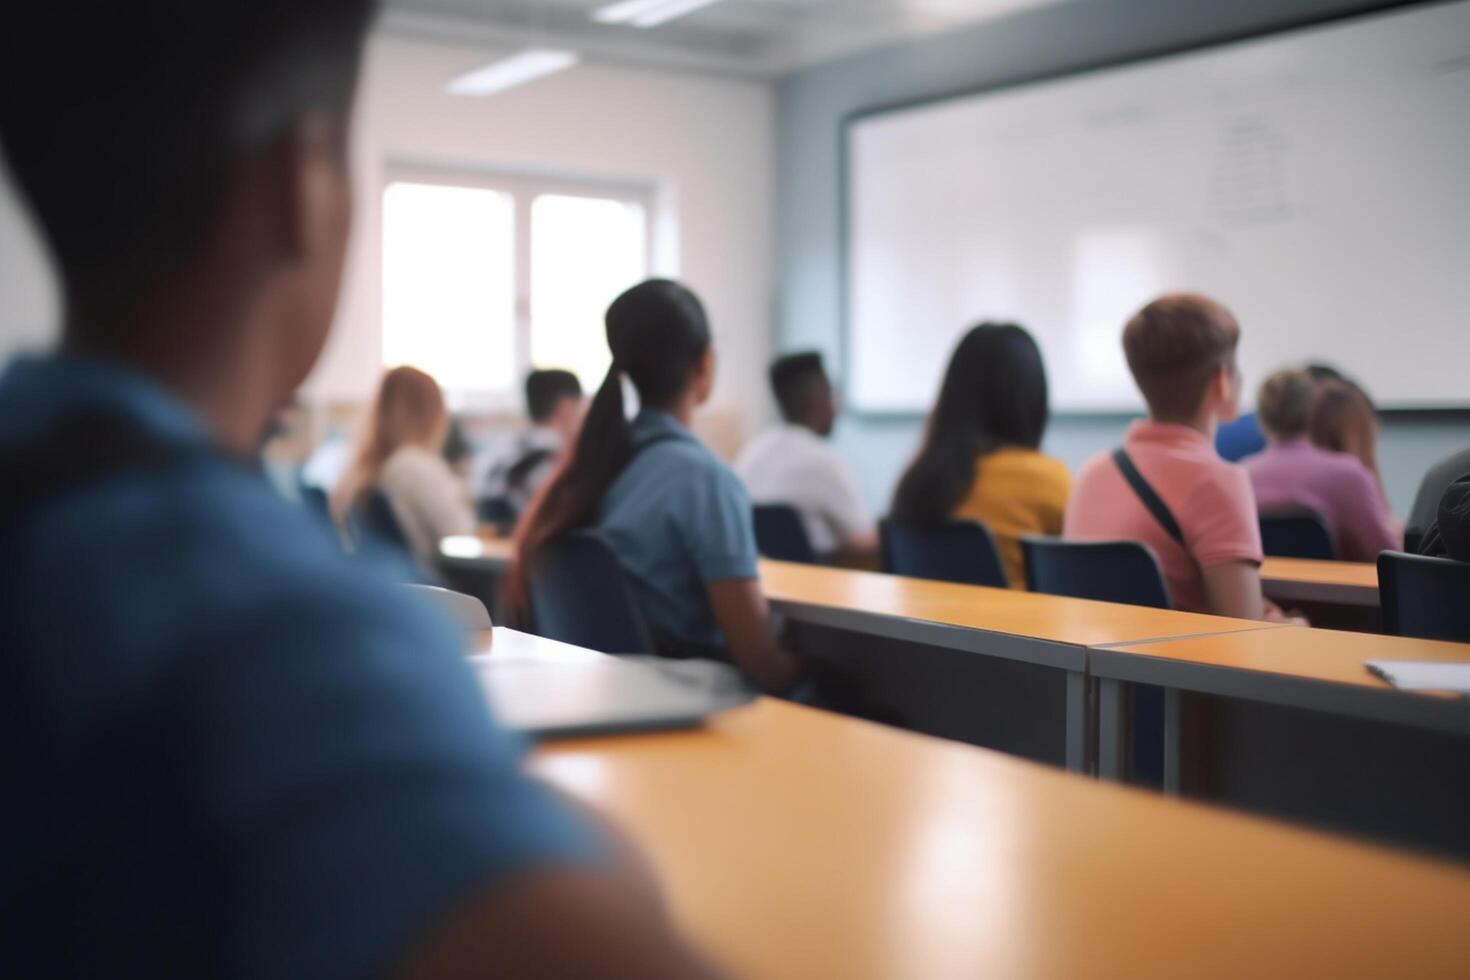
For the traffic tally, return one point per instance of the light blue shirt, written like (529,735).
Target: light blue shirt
(678,519)
(229,749)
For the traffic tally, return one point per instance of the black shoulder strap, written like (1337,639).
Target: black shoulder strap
(522,468)
(1148,495)
(84,448)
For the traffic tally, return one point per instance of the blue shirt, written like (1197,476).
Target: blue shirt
(678,519)
(1239,438)
(227,749)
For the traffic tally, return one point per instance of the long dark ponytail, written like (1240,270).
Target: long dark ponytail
(994,394)
(657,333)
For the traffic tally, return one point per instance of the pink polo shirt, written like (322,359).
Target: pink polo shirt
(1210,499)
(1295,473)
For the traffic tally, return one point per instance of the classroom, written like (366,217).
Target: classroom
(773,489)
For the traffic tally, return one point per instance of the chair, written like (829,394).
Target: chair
(958,551)
(465,610)
(581,595)
(779,534)
(1424,597)
(496,510)
(1108,571)
(1296,534)
(314,499)
(375,522)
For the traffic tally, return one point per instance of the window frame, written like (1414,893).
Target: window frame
(523,188)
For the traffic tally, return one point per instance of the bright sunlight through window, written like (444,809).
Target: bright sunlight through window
(449,284)
(584,252)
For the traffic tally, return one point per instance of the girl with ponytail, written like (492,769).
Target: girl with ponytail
(677,517)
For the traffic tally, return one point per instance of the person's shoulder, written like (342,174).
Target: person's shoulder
(1095,466)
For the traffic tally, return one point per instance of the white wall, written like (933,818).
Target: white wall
(704,143)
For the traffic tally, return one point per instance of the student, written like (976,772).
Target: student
(1294,473)
(677,517)
(511,476)
(400,456)
(1181,351)
(1343,421)
(1433,487)
(981,457)
(792,463)
(1449,535)
(228,750)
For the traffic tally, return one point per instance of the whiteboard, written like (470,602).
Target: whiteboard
(1317,182)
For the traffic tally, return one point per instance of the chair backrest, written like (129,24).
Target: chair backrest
(1109,571)
(1296,534)
(374,521)
(959,551)
(581,595)
(469,612)
(496,510)
(779,534)
(1424,597)
(314,499)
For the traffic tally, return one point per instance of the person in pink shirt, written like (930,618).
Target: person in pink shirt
(1292,473)
(1181,351)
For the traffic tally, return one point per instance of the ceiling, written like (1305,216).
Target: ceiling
(764,38)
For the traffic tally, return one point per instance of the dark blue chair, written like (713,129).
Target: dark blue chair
(496,510)
(1108,571)
(779,534)
(580,594)
(958,551)
(1296,534)
(314,499)
(375,524)
(1423,597)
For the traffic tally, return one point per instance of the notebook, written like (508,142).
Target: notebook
(1415,675)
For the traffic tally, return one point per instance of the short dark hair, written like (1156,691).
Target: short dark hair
(1284,403)
(544,388)
(121,123)
(795,379)
(1174,346)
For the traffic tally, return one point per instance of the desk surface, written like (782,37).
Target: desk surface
(1069,621)
(1311,668)
(1347,583)
(797,844)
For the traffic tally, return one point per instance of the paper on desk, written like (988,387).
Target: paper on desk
(1415,675)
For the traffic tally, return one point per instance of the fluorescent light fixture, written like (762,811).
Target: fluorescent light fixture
(518,69)
(647,13)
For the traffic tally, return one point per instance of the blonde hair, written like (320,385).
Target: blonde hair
(408,411)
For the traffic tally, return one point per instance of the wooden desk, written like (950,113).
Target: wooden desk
(798,844)
(1041,630)
(1339,583)
(1345,735)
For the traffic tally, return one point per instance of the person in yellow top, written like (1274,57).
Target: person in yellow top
(980,459)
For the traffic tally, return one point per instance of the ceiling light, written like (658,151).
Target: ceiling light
(518,69)
(647,13)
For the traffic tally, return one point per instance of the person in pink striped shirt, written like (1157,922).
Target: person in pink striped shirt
(1293,473)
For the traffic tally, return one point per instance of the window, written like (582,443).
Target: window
(485,278)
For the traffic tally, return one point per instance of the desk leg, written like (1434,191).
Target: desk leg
(1112,729)
(1171,740)
(1078,728)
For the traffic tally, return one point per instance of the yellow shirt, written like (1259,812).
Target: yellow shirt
(1016,492)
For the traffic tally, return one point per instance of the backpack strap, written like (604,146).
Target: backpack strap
(1148,495)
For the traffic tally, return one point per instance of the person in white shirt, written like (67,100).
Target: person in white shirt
(400,457)
(793,464)
(509,476)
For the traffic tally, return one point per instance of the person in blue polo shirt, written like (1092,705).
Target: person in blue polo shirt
(677,517)
(226,751)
